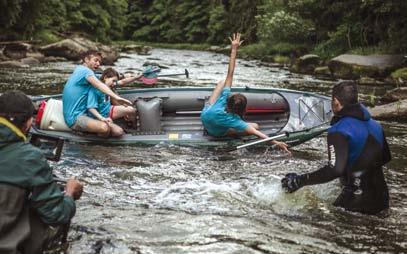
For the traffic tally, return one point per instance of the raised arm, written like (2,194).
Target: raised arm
(130,79)
(235,43)
(106,90)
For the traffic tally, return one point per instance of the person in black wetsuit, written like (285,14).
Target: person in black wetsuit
(357,150)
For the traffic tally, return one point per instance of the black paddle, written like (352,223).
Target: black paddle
(186,73)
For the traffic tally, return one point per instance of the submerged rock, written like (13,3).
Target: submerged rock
(396,94)
(354,66)
(13,64)
(138,49)
(16,50)
(367,81)
(30,61)
(322,71)
(392,111)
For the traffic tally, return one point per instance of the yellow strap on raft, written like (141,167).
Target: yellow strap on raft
(13,128)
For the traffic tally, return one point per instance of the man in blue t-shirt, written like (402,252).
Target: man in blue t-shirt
(75,95)
(222,116)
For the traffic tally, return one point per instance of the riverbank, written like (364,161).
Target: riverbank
(387,72)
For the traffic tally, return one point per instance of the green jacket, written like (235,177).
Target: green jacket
(25,173)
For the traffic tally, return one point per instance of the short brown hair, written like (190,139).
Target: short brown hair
(346,92)
(90,53)
(109,73)
(237,104)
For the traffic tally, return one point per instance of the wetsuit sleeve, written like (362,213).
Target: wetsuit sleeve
(338,156)
(386,151)
(47,199)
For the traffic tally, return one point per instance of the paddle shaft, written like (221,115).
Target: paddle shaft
(261,141)
(186,73)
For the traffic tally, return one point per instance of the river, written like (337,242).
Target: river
(173,199)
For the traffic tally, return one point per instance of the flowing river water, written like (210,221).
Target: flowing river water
(174,199)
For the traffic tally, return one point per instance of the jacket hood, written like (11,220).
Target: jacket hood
(357,111)
(9,133)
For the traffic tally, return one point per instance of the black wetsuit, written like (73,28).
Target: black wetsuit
(357,150)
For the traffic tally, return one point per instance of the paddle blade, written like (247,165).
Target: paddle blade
(149,81)
(186,73)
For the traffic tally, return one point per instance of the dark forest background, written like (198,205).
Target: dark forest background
(326,27)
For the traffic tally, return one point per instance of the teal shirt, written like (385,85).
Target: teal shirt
(98,101)
(75,94)
(217,121)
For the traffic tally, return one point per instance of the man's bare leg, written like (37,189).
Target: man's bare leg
(129,113)
(115,130)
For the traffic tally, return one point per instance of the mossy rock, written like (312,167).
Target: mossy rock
(281,59)
(400,76)
(356,66)
(322,71)
(306,64)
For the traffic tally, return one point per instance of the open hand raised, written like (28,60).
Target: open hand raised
(235,40)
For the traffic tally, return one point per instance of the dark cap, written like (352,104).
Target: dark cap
(16,103)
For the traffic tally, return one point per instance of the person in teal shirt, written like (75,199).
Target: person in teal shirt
(223,113)
(100,107)
(76,90)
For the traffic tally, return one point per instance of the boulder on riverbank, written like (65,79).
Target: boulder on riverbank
(72,49)
(392,111)
(349,66)
(306,64)
(135,48)
(15,49)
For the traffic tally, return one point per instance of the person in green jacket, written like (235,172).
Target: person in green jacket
(30,199)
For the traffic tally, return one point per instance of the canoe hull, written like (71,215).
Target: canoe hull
(304,115)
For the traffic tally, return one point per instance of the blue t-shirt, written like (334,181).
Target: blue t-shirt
(217,121)
(75,94)
(98,101)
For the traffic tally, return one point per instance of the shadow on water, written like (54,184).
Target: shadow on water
(172,199)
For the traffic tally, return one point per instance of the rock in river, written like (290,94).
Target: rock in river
(72,48)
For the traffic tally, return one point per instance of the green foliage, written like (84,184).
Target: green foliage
(217,24)
(284,27)
(326,27)
(336,27)
(400,74)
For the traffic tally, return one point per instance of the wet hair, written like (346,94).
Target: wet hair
(90,53)
(109,73)
(346,92)
(236,104)
(16,107)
